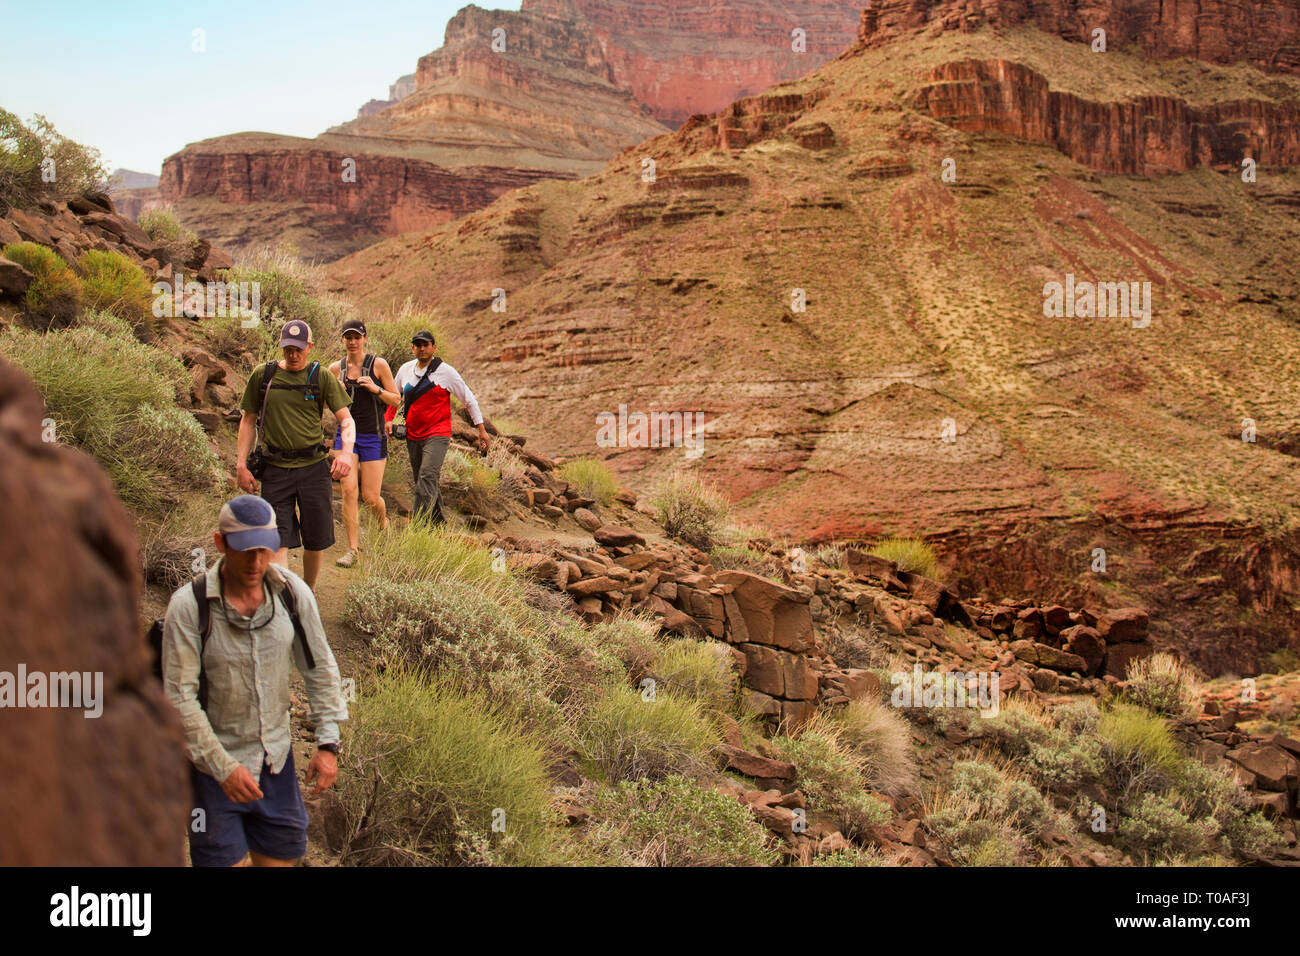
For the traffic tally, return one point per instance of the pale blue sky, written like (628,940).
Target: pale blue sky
(123,77)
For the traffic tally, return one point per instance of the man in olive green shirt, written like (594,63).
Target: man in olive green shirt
(298,471)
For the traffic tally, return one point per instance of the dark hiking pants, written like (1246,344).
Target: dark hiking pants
(426,467)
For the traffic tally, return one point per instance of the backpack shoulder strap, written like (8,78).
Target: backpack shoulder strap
(291,605)
(268,376)
(200,588)
(318,393)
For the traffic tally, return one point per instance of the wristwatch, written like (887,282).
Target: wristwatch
(332,748)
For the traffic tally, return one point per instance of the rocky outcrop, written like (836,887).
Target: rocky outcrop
(80,788)
(684,58)
(388,195)
(1149,135)
(1263,34)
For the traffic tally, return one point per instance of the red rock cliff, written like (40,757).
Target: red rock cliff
(1265,33)
(682,57)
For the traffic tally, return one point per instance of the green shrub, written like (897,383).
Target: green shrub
(631,640)
(1206,792)
(24,151)
(54,296)
(701,670)
(591,478)
(689,510)
(1138,751)
(1156,826)
(883,740)
(113,283)
(1283,661)
(116,398)
(831,555)
(1163,684)
(910,554)
(832,776)
(675,822)
(162,226)
(428,770)
(1057,760)
(626,736)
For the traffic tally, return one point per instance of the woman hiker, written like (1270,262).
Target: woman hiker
(369,383)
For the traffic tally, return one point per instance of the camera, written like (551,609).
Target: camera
(399,432)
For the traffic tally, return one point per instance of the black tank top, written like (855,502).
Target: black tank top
(365,404)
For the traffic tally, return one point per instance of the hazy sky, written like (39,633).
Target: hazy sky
(124,77)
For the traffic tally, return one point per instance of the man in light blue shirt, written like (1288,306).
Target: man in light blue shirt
(231,688)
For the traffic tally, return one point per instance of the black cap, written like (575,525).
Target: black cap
(424,335)
(354,325)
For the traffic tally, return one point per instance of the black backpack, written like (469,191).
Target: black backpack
(200,588)
(367,368)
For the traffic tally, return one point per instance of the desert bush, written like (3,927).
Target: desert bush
(428,769)
(591,478)
(631,639)
(391,337)
(1155,826)
(1078,718)
(832,775)
(1056,760)
(986,816)
(858,645)
(689,509)
(910,554)
(626,736)
(1164,684)
(162,226)
(26,151)
(1138,752)
(727,557)
(674,822)
(701,670)
(115,397)
(831,555)
(854,856)
(53,298)
(883,740)
(290,289)
(113,283)
(1206,792)
(1283,661)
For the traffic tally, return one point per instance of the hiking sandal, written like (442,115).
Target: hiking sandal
(348,560)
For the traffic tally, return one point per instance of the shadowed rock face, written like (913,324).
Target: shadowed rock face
(78,791)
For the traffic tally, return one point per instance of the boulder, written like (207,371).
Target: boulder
(617,536)
(770,613)
(1273,767)
(1086,643)
(586,519)
(1119,656)
(765,671)
(14,279)
(1046,656)
(107,790)
(753,765)
(1124,624)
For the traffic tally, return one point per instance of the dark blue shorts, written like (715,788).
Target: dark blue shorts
(275,826)
(368,447)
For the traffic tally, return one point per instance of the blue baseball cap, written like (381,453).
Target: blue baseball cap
(297,334)
(248,522)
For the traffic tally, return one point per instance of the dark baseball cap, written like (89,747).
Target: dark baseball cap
(354,325)
(248,522)
(424,335)
(297,334)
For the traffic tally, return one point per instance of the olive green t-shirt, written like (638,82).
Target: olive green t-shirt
(292,419)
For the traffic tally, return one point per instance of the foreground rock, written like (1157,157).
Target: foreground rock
(105,791)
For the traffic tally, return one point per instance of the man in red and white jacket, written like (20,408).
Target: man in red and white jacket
(426,385)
